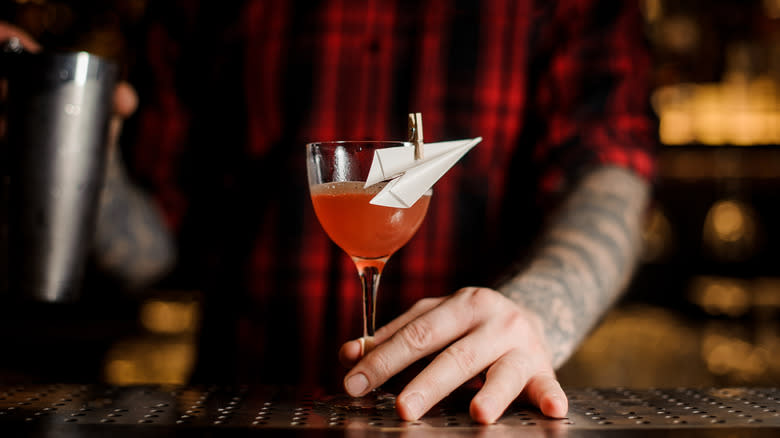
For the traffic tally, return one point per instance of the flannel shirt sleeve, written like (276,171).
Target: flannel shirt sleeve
(593,92)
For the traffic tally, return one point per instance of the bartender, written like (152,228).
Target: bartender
(526,243)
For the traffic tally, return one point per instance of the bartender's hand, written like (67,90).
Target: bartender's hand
(125,99)
(8,31)
(124,105)
(476,330)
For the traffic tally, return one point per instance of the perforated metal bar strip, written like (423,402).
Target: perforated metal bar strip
(272,407)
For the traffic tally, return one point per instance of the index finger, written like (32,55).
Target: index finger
(8,31)
(353,350)
(424,335)
(419,308)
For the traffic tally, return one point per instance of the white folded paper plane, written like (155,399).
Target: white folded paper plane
(410,178)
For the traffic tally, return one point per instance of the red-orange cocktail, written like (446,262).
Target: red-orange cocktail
(362,229)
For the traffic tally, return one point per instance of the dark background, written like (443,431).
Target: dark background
(703,309)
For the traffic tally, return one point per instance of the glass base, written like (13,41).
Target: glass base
(376,400)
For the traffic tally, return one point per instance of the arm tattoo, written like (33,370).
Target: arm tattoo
(131,240)
(585,258)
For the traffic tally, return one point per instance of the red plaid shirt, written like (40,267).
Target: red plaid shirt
(232,93)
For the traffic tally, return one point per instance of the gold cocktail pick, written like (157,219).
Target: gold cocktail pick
(416,134)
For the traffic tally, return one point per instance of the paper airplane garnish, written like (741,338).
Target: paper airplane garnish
(410,178)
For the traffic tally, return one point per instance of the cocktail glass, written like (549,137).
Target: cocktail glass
(368,233)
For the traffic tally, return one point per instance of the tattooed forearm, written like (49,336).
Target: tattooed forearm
(585,258)
(131,241)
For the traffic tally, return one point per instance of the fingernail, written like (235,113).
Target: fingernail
(414,404)
(356,384)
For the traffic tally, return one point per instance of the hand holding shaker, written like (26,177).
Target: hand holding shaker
(58,109)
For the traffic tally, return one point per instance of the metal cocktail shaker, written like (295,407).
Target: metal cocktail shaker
(58,110)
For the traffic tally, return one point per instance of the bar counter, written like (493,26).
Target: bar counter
(69,410)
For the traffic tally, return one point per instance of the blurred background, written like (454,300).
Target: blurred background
(704,308)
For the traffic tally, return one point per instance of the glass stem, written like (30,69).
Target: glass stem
(369,271)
